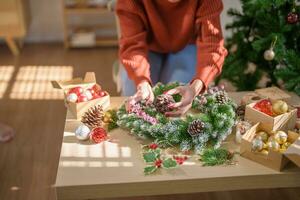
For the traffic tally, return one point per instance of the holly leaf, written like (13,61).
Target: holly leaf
(149,157)
(169,163)
(150,169)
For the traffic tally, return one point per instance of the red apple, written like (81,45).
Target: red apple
(76,90)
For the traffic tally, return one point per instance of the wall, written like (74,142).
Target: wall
(47,20)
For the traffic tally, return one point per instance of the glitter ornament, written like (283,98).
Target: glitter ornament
(280,107)
(263,135)
(273,145)
(269,54)
(280,137)
(88,94)
(82,132)
(76,90)
(98,135)
(264,106)
(72,97)
(257,144)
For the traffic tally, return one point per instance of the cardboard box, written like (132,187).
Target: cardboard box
(274,160)
(285,121)
(78,109)
(273,93)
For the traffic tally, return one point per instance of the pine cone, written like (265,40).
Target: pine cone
(93,117)
(222,98)
(240,111)
(196,127)
(162,103)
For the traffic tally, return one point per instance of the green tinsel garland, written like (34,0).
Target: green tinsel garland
(218,119)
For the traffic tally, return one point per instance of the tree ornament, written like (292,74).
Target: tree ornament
(93,117)
(76,90)
(280,107)
(264,106)
(292,17)
(163,103)
(82,98)
(273,145)
(98,135)
(281,137)
(72,97)
(196,127)
(88,94)
(257,144)
(269,54)
(263,135)
(96,88)
(82,132)
(221,97)
(241,128)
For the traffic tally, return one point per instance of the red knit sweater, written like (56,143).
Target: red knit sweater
(166,27)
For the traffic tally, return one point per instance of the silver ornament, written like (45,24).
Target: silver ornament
(82,132)
(269,54)
(88,94)
(72,97)
(257,144)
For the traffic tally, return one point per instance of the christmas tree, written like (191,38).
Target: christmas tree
(264,48)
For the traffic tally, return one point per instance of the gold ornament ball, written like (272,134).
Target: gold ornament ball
(281,137)
(263,135)
(257,144)
(286,145)
(265,152)
(280,107)
(269,54)
(273,145)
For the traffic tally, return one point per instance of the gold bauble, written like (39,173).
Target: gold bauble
(280,107)
(280,137)
(263,135)
(257,144)
(265,152)
(286,145)
(269,54)
(273,145)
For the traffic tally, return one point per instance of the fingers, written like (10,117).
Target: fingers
(173,91)
(178,112)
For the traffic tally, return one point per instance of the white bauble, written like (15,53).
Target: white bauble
(88,94)
(269,54)
(82,132)
(72,97)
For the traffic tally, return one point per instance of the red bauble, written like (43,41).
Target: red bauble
(76,90)
(82,98)
(98,135)
(96,88)
(153,146)
(264,106)
(158,163)
(102,93)
(292,18)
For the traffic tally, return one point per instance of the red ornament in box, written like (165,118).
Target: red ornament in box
(76,90)
(98,135)
(264,106)
(82,98)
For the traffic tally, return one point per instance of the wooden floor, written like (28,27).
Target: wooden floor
(28,163)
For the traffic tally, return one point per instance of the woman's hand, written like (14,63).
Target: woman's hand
(188,93)
(144,92)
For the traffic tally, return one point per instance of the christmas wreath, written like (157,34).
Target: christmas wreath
(208,123)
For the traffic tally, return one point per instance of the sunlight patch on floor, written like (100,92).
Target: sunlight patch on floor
(6,73)
(34,82)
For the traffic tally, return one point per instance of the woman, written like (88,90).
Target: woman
(170,40)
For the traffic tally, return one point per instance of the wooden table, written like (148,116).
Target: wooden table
(115,169)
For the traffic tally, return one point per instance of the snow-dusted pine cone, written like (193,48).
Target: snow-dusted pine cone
(221,97)
(93,117)
(196,127)
(162,103)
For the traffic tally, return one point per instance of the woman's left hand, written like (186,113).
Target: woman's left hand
(188,93)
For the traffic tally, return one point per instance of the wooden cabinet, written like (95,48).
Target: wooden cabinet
(14,21)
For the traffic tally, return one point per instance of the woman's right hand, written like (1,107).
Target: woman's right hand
(144,92)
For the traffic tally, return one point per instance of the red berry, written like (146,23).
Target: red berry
(76,90)
(98,135)
(158,163)
(153,146)
(82,98)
